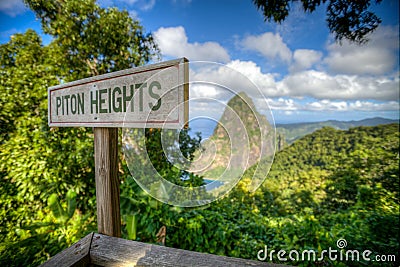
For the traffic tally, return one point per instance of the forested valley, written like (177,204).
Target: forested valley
(328,185)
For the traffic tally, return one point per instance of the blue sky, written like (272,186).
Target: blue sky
(300,70)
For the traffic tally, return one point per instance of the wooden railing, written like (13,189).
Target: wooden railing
(102,250)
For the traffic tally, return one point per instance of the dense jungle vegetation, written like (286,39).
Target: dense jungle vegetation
(326,186)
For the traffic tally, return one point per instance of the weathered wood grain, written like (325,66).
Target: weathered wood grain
(111,251)
(76,255)
(102,250)
(107,181)
(152,96)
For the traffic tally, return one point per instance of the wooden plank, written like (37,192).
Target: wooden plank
(151,96)
(107,182)
(111,251)
(76,255)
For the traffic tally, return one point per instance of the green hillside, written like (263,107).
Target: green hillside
(326,186)
(294,131)
(364,159)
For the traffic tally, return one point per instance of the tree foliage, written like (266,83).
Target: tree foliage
(94,40)
(47,193)
(328,185)
(350,20)
(37,162)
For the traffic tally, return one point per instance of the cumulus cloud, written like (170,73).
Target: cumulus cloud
(132,6)
(199,90)
(321,85)
(134,14)
(304,59)
(283,104)
(289,104)
(310,83)
(148,5)
(247,76)
(377,57)
(371,106)
(12,7)
(327,105)
(341,81)
(264,81)
(309,91)
(173,42)
(144,5)
(234,77)
(269,45)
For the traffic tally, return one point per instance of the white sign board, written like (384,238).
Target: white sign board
(153,96)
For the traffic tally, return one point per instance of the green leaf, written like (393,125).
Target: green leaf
(131,226)
(56,208)
(71,203)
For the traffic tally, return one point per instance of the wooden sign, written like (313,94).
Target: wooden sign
(153,96)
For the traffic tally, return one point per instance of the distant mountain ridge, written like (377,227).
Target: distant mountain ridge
(293,131)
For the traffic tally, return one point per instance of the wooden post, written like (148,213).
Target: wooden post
(107,182)
(92,108)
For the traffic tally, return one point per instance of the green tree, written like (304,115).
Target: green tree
(36,162)
(349,20)
(39,165)
(24,70)
(327,185)
(94,40)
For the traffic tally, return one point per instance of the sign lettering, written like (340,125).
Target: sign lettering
(152,96)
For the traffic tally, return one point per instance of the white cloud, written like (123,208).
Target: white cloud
(248,77)
(207,100)
(144,5)
(269,45)
(348,88)
(283,104)
(173,42)
(219,81)
(370,106)
(264,81)
(306,91)
(304,59)
(131,5)
(128,2)
(133,14)
(289,104)
(234,77)
(105,3)
(182,2)
(12,7)
(327,105)
(203,91)
(148,5)
(321,85)
(311,83)
(212,82)
(378,56)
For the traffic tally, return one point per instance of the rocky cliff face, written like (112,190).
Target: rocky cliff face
(241,138)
